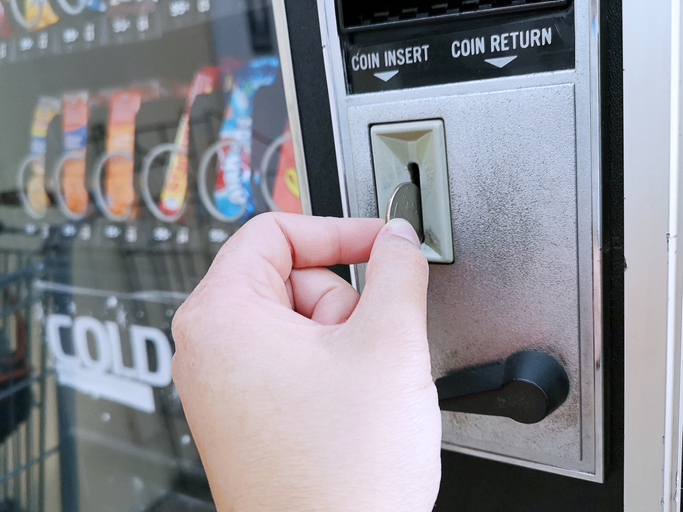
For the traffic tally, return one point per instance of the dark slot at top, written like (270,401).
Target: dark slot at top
(361,14)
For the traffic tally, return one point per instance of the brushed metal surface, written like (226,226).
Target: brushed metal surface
(515,280)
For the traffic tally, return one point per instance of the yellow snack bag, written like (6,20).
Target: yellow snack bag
(46,109)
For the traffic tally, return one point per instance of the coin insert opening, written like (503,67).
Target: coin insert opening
(414,170)
(411,158)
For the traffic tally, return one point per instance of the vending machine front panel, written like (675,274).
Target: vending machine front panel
(515,246)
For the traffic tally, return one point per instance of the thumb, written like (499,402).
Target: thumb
(395,295)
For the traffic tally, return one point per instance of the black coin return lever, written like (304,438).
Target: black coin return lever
(527,387)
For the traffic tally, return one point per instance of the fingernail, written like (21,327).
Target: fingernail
(402,228)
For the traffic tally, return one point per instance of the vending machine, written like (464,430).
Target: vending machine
(135,138)
(543,137)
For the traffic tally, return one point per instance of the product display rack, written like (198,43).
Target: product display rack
(98,29)
(138,136)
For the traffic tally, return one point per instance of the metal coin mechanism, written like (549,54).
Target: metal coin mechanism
(405,203)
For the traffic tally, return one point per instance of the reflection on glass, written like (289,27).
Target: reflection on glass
(137,136)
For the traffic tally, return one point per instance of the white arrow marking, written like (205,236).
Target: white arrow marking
(501,62)
(385,76)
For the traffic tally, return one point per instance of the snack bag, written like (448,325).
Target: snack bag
(286,187)
(96,5)
(33,8)
(75,115)
(123,108)
(175,181)
(233,191)
(46,109)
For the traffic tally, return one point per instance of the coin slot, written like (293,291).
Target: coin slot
(414,170)
(415,152)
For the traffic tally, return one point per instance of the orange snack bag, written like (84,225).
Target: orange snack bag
(75,115)
(123,108)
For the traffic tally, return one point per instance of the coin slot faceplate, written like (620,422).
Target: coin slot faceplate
(415,152)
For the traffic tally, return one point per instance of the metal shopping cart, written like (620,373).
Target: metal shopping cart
(27,448)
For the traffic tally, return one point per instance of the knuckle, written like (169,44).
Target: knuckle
(263,219)
(176,369)
(178,326)
(267,217)
(240,241)
(185,320)
(178,321)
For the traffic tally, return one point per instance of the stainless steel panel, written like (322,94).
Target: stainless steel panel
(524,177)
(514,283)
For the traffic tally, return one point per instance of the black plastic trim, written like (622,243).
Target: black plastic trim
(314,112)
(432,10)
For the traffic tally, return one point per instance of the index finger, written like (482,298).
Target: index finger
(283,241)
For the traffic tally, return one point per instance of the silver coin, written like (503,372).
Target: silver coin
(405,203)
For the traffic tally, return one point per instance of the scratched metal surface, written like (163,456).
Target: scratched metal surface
(521,241)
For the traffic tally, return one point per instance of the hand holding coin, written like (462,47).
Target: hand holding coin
(405,203)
